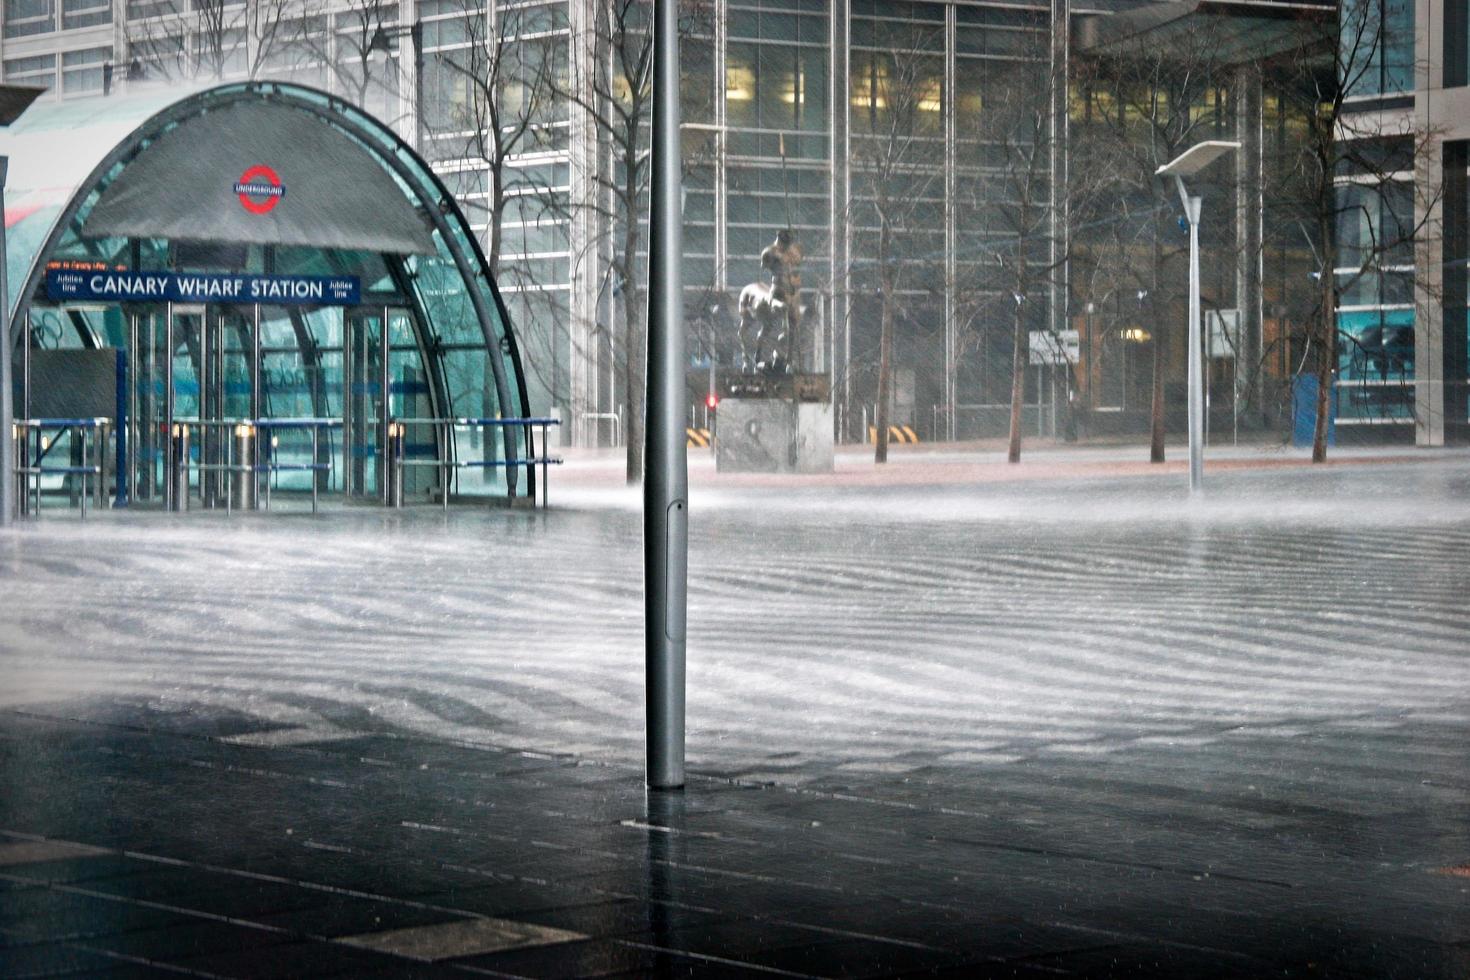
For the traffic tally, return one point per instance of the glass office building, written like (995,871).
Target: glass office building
(1403,228)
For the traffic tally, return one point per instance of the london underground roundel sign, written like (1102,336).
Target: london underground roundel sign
(260,189)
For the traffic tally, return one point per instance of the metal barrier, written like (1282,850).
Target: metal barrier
(243,459)
(31,434)
(446,465)
(246,450)
(271,467)
(181,461)
(597,418)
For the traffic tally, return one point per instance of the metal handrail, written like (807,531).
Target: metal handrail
(446,465)
(32,472)
(307,422)
(315,425)
(613,417)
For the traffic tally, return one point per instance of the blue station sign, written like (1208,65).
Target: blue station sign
(121,286)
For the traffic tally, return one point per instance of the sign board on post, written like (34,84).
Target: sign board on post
(1059,347)
(123,286)
(1222,333)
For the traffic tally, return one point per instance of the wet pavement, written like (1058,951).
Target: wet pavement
(1072,728)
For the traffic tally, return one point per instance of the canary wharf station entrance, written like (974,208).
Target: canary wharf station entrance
(211,368)
(254,296)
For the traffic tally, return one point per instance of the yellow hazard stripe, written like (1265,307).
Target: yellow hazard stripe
(896,433)
(697,438)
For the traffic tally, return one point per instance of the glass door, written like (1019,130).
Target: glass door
(232,346)
(365,410)
(300,376)
(212,386)
(187,390)
(409,397)
(148,420)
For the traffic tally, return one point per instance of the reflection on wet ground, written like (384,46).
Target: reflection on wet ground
(1078,728)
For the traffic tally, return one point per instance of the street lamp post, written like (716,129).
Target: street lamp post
(1190,162)
(665,463)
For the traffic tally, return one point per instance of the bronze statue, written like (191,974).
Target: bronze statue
(774,308)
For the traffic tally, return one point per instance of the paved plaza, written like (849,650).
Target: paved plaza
(942,725)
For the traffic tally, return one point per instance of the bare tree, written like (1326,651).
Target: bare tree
(503,78)
(1017,205)
(1355,176)
(1143,104)
(611,85)
(897,162)
(349,38)
(209,39)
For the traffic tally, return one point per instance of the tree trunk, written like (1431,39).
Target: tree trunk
(885,350)
(635,313)
(1156,403)
(497,219)
(1020,349)
(635,353)
(1326,362)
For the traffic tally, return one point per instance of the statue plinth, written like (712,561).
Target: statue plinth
(779,423)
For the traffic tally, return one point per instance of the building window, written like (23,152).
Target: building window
(24,17)
(1376,46)
(1375,251)
(39,71)
(1456,44)
(85,13)
(220,52)
(81,71)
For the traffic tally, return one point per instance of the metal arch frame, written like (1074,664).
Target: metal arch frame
(446,205)
(432,196)
(429,348)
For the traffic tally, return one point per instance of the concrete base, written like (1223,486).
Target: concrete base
(769,435)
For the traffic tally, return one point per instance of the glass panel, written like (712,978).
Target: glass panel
(148,411)
(232,347)
(301,377)
(471,389)
(24,17)
(409,397)
(363,418)
(1376,364)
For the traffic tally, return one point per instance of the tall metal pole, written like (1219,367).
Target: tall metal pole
(665,467)
(7,392)
(416,35)
(1196,372)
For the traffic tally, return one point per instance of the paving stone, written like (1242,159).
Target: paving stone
(192,939)
(48,960)
(592,958)
(460,938)
(24,852)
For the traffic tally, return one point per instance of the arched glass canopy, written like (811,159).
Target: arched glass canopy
(148,182)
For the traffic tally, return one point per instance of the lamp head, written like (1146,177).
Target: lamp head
(1196,158)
